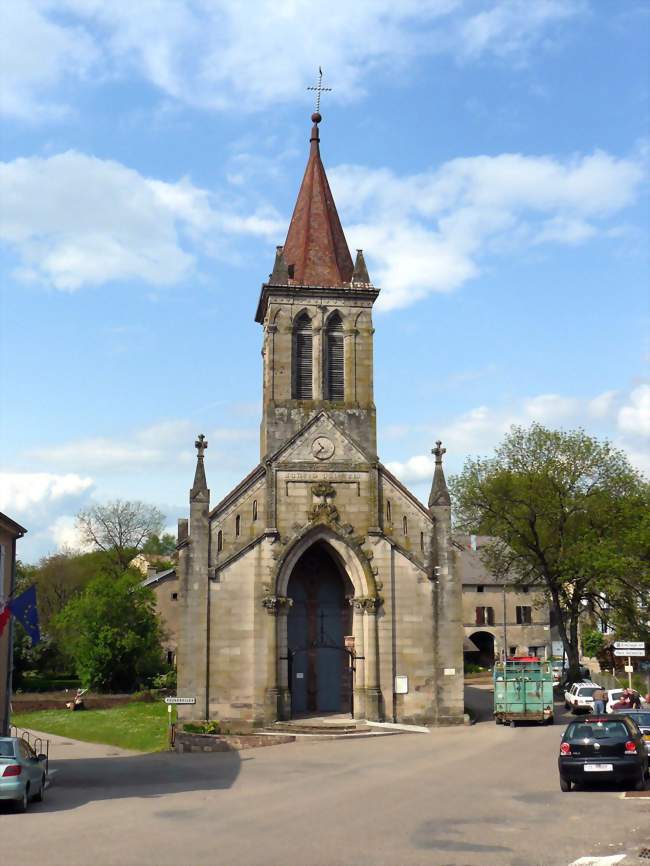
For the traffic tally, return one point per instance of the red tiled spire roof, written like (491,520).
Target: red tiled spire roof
(315,251)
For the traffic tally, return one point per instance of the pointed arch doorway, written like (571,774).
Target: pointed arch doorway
(320,672)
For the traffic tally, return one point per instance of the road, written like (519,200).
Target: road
(478,796)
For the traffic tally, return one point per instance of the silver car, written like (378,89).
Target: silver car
(23,773)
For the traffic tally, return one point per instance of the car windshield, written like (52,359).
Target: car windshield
(586,692)
(616,695)
(642,719)
(596,730)
(6,749)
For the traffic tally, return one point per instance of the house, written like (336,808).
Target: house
(497,611)
(10,532)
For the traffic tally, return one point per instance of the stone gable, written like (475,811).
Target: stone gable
(323,445)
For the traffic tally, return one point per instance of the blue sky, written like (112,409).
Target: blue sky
(490,157)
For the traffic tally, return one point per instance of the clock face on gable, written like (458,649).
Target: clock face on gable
(322,448)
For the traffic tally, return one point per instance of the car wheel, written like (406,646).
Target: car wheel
(513,723)
(21,805)
(41,793)
(566,705)
(565,785)
(639,785)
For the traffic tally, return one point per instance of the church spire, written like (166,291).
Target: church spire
(315,251)
(439,494)
(200,485)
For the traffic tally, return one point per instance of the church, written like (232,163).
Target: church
(320,584)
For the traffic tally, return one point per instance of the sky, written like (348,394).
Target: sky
(489,156)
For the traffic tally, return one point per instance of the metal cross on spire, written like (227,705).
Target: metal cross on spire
(201,444)
(319,89)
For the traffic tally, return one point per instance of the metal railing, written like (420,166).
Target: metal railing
(40,745)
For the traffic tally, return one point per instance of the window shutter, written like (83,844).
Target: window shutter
(303,360)
(480,616)
(335,384)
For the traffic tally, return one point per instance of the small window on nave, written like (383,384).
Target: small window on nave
(388,514)
(254,509)
(237,525)
(422,541)
(219,541)
(405,525)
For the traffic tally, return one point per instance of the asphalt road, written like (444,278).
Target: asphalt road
(478,796)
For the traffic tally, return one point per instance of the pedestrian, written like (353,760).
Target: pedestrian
(600,698)
(635,700)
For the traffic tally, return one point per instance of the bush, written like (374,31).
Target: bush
(112,633)
(166,680)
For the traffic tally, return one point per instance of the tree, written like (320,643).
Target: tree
(161,545)
(592,642)
(567,512)
(119,528)
(112,633)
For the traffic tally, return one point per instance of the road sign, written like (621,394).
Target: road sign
(180,700)
(629,652)
(629,644)
(629,669)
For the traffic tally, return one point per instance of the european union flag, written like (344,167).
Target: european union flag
(25,610)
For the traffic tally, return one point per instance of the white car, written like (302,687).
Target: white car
(614,696)
(580,696)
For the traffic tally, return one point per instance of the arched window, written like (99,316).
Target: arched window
(388,514)
(405,525)
(302,358)
(334,384)
(237,525)
(219,541)
(254,509)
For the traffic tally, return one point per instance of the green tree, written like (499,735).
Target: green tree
(112,633)
(161,545)
(592,642)
(567,512)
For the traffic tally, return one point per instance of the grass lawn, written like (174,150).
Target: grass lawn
(139,725)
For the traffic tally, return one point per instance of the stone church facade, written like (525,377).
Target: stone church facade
(320,583)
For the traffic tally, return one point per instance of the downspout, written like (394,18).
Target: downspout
(207,628)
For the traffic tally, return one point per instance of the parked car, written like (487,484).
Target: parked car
(603,747)
(22,773)
(614,696)
(642,718)
(580,696)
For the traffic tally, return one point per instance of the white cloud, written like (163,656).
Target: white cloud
(65,534)
(21,491)
(98,221)
(430,232)
(510,27)
(480,430)
(225,54)
(36,54)
(634,418)
(165,443)
(415,469)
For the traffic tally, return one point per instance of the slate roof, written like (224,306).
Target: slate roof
(469,567)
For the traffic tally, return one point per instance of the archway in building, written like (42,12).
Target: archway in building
(484,654)
(320,674)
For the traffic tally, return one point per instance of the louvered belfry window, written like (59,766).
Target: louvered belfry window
(302,359)
(334,376)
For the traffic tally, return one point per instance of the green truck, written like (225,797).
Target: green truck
(523,691)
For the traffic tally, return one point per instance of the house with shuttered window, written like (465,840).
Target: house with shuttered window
(498,611)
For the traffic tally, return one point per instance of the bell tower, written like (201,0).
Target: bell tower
(316,311)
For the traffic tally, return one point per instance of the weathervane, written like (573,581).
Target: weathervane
(319,89)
